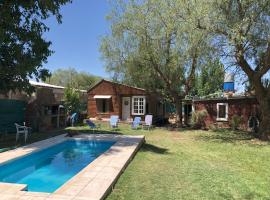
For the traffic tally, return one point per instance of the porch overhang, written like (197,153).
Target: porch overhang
(102,96)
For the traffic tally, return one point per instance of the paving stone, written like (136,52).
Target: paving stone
(91,183)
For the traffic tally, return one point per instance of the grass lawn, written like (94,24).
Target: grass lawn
(195,165)
(8,140)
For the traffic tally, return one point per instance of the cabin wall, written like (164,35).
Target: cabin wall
(117,91)
(93,111)
(241,107)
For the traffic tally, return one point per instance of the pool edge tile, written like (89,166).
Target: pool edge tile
(101,174)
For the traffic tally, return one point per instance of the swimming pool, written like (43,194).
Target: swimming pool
(48,169)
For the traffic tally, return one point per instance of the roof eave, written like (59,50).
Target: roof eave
(91,88)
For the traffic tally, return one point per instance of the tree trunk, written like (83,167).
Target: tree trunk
(262,92)
(264,126)
(178,112)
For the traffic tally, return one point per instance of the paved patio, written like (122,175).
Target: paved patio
(92,183)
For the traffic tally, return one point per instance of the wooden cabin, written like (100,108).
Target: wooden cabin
(108,98)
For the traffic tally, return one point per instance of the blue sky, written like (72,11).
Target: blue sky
(76,40)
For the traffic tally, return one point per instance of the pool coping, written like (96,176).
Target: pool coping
(93,182)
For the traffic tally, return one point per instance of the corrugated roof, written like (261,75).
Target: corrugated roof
(225,98)
(41,84)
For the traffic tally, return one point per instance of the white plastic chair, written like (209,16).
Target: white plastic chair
(114,121)
(136,123)
(22,130)
(148,121)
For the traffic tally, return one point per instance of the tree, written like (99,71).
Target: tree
(72,78)
(72,100)
(150,48)
(209,79)
(23,50)
(241,30)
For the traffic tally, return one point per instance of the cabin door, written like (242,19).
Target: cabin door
(125,108)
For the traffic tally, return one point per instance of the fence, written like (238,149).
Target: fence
(11,111)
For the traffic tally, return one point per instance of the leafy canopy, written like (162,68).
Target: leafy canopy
(23,50)
(72,78)
(72,100)
(209,79)
(241,30)
(151,47)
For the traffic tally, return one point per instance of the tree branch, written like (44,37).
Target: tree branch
(254,77)
(240,9)
(265,62)
(215,30)
(241,61)
(192,72)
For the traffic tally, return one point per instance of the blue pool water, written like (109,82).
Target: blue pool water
(48,169)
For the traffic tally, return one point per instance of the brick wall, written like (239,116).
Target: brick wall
(244,107)
(34,111)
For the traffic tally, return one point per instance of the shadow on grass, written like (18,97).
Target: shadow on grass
(226,136)
(245,195)
(146,147)
(8,141)
(89,131)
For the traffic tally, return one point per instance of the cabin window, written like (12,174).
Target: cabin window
(138,105)
(103,105)
(222,112)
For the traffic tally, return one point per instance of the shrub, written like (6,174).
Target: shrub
(198,119)
(236,121)
(213,127)
(72,100)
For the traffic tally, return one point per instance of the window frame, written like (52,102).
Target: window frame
(133,104)
(226,112)
(103,102)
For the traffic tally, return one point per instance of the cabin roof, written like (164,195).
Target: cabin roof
(224,98)
(111,82)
